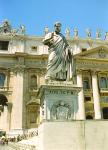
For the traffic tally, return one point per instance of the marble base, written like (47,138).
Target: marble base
(58,101)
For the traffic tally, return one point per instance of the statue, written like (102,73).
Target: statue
(88,33)
(106,35)
(46,30)
(5,27)
(75,33)
(67,32)
(22,29)
(98,34)
(60,62)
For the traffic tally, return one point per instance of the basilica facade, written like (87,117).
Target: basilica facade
(23,62)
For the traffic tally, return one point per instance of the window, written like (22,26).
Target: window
(104,99)
(33,83)
(4,45)
(2,79)
(103,82)
(34,48)
(86,84)
(33,117)
(87,98)
(105,113)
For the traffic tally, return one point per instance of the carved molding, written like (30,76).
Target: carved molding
(61,111)
(37,71)
(94,72)
(79,71)
(92,65)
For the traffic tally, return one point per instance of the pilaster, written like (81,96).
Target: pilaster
(96,95)
(17,96)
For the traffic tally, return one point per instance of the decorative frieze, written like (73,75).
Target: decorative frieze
(84,65)
(37,71)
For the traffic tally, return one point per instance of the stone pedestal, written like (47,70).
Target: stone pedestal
(61,136)
(58,101)
(58,104)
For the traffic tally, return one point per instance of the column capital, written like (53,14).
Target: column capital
(18,68)
(79,71)
(94,72)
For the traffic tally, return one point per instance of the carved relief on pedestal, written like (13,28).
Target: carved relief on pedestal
(61,111)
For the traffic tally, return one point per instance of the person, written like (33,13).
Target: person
(59,65)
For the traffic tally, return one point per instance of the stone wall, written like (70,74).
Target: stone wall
(75,135)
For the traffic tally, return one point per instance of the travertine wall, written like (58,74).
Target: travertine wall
(75,135)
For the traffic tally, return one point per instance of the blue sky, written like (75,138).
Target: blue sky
(36,14)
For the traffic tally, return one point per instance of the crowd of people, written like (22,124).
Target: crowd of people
(5,139)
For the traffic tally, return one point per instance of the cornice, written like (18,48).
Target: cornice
(25,55)
(92,65)
(20,37)
(86,40)
(9,36)
(99,60)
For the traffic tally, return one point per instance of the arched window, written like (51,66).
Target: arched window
(33,83)
(86,84)
(105,113)
(2,79)
(103,82)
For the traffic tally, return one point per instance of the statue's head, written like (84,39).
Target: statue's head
(57,27)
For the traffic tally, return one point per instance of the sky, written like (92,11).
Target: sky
(36,14)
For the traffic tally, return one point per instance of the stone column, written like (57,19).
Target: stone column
(5,119)
(1,116)
(17,97)
(81,108)
(96,96)
(41,115)
(9,107)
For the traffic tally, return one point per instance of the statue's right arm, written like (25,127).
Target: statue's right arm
(47,39)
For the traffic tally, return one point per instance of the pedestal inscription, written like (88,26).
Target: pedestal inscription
(58,103)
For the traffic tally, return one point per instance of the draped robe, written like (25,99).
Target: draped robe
(60,59)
